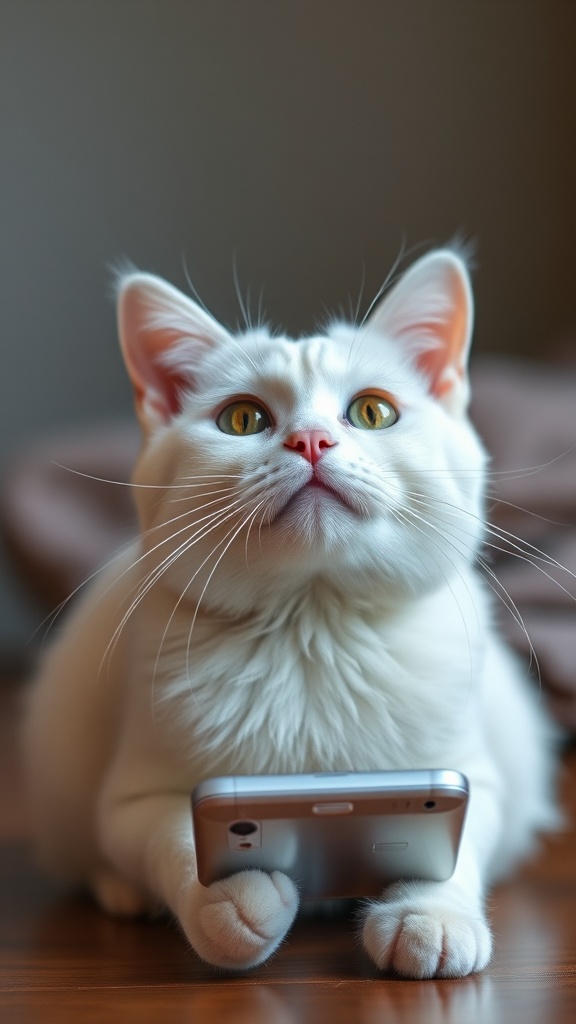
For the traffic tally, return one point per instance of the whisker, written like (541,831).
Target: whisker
(212,476)
(388,281)
(234,532)
(207,494)
(261,313)
(49,620)
(494,474)
(183,515)
(500,591)
(355,310)
(503,595)
(515,546)
(405,515)
(190,581)
(216,519)
(137,486)
(191,285)
(497,587)
(244,307)
(496,500)
(518,474)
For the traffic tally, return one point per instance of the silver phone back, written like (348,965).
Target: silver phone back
(336,835)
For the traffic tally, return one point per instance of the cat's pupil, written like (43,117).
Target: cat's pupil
(371,412)
(243,418)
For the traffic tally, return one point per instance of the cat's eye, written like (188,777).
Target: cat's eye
(371,412)
(243,418)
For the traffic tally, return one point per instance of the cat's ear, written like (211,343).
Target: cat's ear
(163,336)
(431,312)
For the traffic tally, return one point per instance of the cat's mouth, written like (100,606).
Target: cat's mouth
(314,492)
(315,483)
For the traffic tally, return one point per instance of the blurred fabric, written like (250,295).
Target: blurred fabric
(61,524)
(526,414)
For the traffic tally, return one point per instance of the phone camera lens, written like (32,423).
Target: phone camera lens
(243,828)
(429,805)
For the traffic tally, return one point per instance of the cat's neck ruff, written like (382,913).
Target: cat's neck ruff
(319,684)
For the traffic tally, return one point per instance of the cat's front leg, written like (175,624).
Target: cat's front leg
(439,929)
(235,923)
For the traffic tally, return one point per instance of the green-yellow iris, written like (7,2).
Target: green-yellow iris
(371,412)
(243,418)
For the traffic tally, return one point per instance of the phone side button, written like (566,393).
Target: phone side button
(389,847)
(334,807)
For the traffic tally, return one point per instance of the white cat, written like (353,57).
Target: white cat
(302,597)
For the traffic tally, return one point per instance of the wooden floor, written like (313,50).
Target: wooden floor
(62,960)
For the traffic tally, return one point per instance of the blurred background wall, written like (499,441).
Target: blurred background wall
(307,141)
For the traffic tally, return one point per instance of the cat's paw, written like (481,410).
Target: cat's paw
(426,938)
(239,921)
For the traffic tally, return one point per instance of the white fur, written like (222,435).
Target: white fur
(259,625)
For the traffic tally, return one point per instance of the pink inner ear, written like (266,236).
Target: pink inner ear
(431,309)
(174,393)
(446,356)
(168,388)
(156,385)
(164,336)
(445,366)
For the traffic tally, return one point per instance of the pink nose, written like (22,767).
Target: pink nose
(311,444)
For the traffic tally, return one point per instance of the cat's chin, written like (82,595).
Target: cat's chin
(315,500)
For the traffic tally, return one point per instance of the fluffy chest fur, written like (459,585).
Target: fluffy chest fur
(320,685)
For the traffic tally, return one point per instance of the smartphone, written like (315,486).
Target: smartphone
(336,834)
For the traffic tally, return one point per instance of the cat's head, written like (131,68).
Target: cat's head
(346,455)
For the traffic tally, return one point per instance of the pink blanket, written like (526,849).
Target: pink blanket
(527,417)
